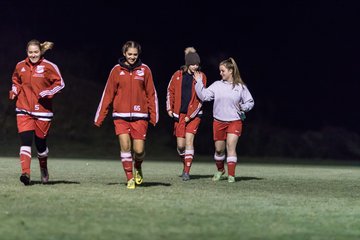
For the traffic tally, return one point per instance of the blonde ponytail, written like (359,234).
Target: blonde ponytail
(46,46)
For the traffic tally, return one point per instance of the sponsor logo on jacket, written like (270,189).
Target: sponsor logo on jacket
(140,72)
(38,75)
(139,75)
(40,69)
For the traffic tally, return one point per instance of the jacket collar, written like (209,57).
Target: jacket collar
(129,67)
(28,62)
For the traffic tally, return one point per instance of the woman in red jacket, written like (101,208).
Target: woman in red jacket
(184,107)
(35,81)
(131,92)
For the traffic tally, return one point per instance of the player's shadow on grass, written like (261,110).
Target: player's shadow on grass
(236,178)
(54,182)
(152,184)
(247,178)
(146,184)
(199,176)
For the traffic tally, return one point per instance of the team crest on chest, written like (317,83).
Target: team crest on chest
(40,69)
(140,72)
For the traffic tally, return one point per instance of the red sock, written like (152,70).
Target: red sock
(220,165)
(127,165)
(231,168)
(189,155)
(43,158)
(231,163)
(187,163)
(25,159)
(126,160)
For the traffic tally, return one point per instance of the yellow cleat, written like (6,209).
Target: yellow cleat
(218,176)
(131,184)
(138,176)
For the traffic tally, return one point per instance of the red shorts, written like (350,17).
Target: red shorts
(29,123)
(181,127)
(221,129)
(136,129)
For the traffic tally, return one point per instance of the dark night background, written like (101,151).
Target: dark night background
(298,58)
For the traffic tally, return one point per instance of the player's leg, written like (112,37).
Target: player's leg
(122,130)
(26,127)
(179,132)
(180,148)
(219,135)
(139,155)
(190,132)
(41,132)
(219,158)
(138,131)
(25,156)
(233,133)
(126,158)
(42,154)
(189,155)
(231,159)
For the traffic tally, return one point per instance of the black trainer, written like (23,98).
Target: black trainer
(44,175)
(25,179)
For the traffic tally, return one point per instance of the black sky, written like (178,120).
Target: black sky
(299,58)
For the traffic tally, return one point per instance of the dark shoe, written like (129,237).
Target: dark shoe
(185,177)
(44,175)
(25,179)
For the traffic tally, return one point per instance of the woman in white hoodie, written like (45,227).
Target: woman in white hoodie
(231,100)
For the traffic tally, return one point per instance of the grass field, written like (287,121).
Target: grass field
(87,199)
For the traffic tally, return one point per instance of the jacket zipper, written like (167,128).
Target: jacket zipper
(131,87)
(32,107)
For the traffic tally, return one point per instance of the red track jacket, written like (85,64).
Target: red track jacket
(34,86)
(173,96)
(132,94)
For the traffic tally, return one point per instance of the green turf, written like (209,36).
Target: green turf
(89,200)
